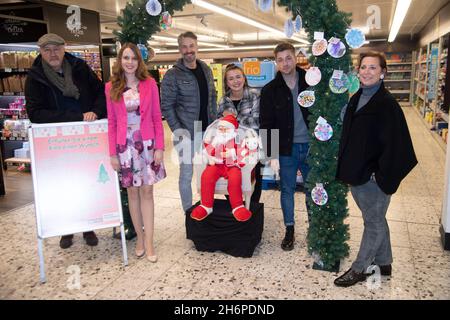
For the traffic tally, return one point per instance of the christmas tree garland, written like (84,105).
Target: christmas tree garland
(327,233)
(137,24)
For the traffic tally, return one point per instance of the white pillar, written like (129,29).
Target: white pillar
(445,221)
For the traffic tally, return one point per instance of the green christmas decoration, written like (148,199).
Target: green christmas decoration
(327,234)
(103,176)
(137,26)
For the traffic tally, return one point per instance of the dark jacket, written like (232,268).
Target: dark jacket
(375,140)
(180,97)
(42,103)
(276,111)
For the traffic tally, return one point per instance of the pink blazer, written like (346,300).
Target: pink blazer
(151,119)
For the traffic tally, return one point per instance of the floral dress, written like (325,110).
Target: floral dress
(137,166)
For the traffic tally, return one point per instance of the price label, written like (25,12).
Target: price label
(318,35)
(337,74)
(8,70)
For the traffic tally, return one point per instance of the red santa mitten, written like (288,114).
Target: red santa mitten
(241,213)
(200,212)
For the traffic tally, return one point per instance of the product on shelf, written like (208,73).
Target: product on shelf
(91,58)
(16,129)
(17,59)
(14,84)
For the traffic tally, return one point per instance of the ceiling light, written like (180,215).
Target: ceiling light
(186,26)
(400,13)
(238,17)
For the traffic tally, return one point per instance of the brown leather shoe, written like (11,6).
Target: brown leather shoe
(350,278)
(91,238)
(66,241)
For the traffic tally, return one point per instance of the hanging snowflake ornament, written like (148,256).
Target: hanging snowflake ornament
(298,23)
(336,48)
(339,85)
(313,76)
(306,98)
(355,38)
(264,5)
(323,131)
(353,83)
(165,20)
(144,51)
(153,7)
(319,47)
(289,28)
(319,195)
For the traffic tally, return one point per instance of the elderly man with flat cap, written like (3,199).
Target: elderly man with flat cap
(63,88)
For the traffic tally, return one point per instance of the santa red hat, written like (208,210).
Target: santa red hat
(229,121)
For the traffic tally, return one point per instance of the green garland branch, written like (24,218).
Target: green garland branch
(137,26)
(327,234)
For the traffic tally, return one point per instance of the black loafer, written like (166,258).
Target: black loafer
(350,278)
(66,241)
(91,238)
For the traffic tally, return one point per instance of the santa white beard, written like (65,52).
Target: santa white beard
(223,138)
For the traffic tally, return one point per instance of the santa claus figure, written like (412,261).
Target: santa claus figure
(225,161)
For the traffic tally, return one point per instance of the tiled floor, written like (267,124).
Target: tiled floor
(421,268)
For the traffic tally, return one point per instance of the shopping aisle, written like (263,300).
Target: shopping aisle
(421,268)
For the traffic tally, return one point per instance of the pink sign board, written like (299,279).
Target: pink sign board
(75,187)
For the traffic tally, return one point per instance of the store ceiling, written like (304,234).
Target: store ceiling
(227,31)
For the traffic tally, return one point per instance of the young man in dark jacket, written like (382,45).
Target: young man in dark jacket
(188,103)
(63,88)
(280,110)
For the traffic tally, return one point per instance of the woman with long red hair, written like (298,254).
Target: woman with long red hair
(136,140)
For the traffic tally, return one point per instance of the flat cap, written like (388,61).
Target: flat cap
(50,38)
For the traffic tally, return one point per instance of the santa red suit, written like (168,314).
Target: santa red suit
(224,161)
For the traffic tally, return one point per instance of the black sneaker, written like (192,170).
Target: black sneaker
(91,238)
(288,242)
(350,278)
(66,241)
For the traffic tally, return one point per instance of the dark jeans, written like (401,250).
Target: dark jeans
(288,179)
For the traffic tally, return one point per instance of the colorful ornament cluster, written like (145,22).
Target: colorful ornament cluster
(339,83)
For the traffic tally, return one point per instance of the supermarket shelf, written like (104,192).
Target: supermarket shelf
(14,138)
(11,70)
(18,160)
(397,80)
(444,116)
(421,97)
(404,104)
(399,91)
(398,63)
(19,94)
(398,71)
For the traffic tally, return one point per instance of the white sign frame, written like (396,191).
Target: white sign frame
(37,204)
